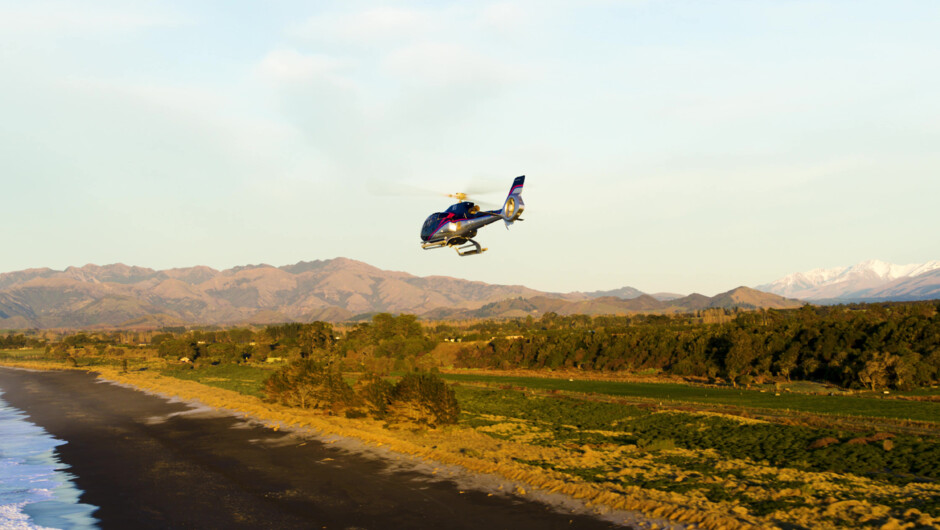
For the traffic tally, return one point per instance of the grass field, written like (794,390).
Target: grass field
(677,393)
(241,378)
(24,355)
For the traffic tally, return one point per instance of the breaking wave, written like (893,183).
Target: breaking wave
(36,492)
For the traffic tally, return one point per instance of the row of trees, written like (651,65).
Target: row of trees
(236,345)
(873,345)
(389,337)
(11,341)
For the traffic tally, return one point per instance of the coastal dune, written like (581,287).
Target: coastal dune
(148,462)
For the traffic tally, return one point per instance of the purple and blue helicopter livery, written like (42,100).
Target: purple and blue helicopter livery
(457,226)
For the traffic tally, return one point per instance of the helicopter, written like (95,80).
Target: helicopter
(457,226)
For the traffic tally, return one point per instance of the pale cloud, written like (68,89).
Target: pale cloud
(747,177)
(62,18)
(440,63)
(315,97)
(288,65)
(505,16)
(120,134)
(190,99)
(372,25)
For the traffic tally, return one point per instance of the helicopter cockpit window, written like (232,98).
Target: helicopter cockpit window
(461,208)
(429,225)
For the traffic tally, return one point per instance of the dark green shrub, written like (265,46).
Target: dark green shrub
(307,383)
(424,398)
(376,392)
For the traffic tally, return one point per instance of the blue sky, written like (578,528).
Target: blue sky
(668,145)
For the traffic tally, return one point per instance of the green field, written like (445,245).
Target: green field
(242,378)
(40,355)
(31,354)
(678,393)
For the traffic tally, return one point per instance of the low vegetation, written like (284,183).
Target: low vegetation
(787,475)
(768,399)
(816,417)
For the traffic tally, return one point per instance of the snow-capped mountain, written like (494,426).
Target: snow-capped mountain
(868,280)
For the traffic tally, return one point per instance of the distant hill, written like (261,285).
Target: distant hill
(335,290)
(623,292)
(871,280)
(742,297)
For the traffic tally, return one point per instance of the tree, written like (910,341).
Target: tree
(424,398)
(376,392)
(740,356)
(787,360)
(307,383)
(904,370)
(873,371)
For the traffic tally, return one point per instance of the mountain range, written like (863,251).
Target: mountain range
(868,281)
(334,290)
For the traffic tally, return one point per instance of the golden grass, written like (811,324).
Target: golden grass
(737,419)
(40,365)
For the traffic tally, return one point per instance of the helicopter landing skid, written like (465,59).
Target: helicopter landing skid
(470,249)
(436,244)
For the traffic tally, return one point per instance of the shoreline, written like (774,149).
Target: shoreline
(275,470)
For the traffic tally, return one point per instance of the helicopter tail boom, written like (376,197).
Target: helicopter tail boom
(513,206)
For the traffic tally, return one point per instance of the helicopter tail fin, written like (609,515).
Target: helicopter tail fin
(513,206)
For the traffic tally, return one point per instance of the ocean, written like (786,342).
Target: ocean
(36,491)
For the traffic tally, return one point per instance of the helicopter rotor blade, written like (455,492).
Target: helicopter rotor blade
(480,185)
(403,189)
(398,189)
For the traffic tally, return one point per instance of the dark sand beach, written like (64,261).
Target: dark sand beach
(147,462)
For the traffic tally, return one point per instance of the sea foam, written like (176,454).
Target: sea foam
(35,490)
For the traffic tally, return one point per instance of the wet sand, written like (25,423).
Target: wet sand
(147,462)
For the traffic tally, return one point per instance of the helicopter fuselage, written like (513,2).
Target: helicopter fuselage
(457,224)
